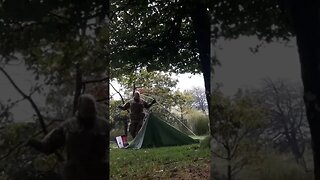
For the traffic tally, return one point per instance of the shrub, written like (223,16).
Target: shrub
(199,123)
(205,143)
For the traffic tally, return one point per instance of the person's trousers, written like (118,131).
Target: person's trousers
(136,124)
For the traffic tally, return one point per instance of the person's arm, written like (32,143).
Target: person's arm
(126,106)
(146,105)
(50,143)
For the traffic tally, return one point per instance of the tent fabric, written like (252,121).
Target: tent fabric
(157,133)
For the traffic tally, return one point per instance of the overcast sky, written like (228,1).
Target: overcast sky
(240,68)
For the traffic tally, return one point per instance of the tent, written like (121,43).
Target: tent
(157,133)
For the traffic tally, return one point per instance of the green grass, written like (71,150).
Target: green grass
(274,166)
(187,162)
(193,162)
(281,167)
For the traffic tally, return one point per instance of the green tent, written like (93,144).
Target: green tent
(157,133)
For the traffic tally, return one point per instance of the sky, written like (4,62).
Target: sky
(240,68)
(24,80)
(186,81)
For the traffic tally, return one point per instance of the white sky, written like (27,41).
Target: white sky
(186,81)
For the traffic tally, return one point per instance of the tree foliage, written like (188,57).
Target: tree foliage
(199,97)
(20,162)
(155,34)
(237,125)
(264,19)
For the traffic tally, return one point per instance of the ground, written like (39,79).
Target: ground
(180,162)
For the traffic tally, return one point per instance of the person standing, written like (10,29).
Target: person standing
(86,141)
(136,106)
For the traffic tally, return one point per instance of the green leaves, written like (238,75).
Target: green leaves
(158,36)
(236,125)
(261,18)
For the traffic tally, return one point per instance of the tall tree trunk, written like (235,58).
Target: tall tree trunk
(78,88)
(306,20)
(229,170)
(108,60)
(108,110)
(201,24)
(229,175)
(297,150)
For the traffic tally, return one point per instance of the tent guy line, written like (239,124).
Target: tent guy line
(160,105)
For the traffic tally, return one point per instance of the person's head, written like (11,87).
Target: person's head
(86,108)
(136,95)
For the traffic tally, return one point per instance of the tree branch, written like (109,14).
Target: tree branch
(34,106)
(117,92)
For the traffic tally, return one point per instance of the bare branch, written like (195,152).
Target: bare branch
(117,92)
(33,104)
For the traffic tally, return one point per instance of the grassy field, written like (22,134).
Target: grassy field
(180,162)
(193,162)
(273,166)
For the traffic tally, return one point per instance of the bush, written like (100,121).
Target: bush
(278,168)
(201,126)
(199,123)
(205,143)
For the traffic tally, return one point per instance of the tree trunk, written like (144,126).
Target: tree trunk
(201,24)
(297,151)
(229,176)
(229,171)
(108,60)
(78,89)
(306,21)
(108,110)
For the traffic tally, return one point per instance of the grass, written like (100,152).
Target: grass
(193,162)
(274,167)
(281,167)
(185,162)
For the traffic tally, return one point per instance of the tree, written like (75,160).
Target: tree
(287,123)
(20,162)
(199,97)
(162,35)
(304,18)
(148,82)
(6,117)
(61,41)
(182,101)
(238,125)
